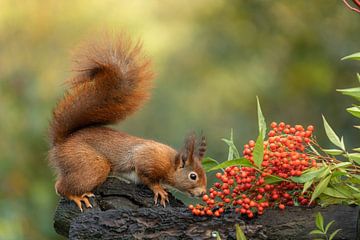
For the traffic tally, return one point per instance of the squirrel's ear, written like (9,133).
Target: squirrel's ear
(186,155)
(177,160)
(202,148)
(180,159)
(190,147)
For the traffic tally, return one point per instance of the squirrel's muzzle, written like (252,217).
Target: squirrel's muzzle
(198,192)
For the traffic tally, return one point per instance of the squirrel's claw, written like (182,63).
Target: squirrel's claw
(160,192)
(83,198)
(164,200)
(88,195)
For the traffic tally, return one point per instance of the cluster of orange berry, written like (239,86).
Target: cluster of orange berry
(246,190)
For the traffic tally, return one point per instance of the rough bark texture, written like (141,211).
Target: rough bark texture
(125,211)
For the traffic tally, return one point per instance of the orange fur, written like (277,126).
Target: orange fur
(113,80)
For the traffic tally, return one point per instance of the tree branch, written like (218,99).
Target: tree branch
(127,211)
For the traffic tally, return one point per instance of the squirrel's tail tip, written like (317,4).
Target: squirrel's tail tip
(115,55)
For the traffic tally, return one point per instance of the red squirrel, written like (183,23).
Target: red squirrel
(113,79)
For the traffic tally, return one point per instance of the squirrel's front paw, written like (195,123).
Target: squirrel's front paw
(160,192)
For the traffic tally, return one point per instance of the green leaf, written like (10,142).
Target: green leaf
(307,185)
(258,153)
(308,176)
(319,189)
(319,221)
(354,157)
(358,76)
(334,234)
(270,179)
(355,178)
(344,189)
(333,193)
(355,175)
(355,189)
(323,174)
(341,165)
(339,172)
(209,163)
(342,142)
(261,120)
(328,225)
(356,149)
(333,152)
(354,111)
(353,92)
(239,233)
(232,148)
(357,196)
(314,150)
(316,232)
(240,161)
(355,56)
(326,200)
(332,135)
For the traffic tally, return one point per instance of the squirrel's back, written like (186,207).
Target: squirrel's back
(113,78)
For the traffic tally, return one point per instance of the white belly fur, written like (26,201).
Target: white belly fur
(131,176)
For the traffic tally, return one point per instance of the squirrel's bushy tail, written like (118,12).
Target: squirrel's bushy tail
(113,79)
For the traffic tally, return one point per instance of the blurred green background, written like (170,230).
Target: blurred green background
(211,58)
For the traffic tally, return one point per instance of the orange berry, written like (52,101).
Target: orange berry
(205,198)
(310,128)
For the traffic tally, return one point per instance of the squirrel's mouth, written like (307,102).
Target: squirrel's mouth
(194,194)
(197,192)
(191,194)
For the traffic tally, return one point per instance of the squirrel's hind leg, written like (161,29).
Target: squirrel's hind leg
(78,200)
(80,173)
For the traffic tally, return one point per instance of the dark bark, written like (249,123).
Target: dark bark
(126,211)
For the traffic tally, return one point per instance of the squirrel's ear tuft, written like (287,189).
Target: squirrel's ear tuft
(186,154)
(202,147)
(190,146)
(191,151)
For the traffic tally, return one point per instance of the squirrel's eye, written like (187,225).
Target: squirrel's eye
(193,176)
